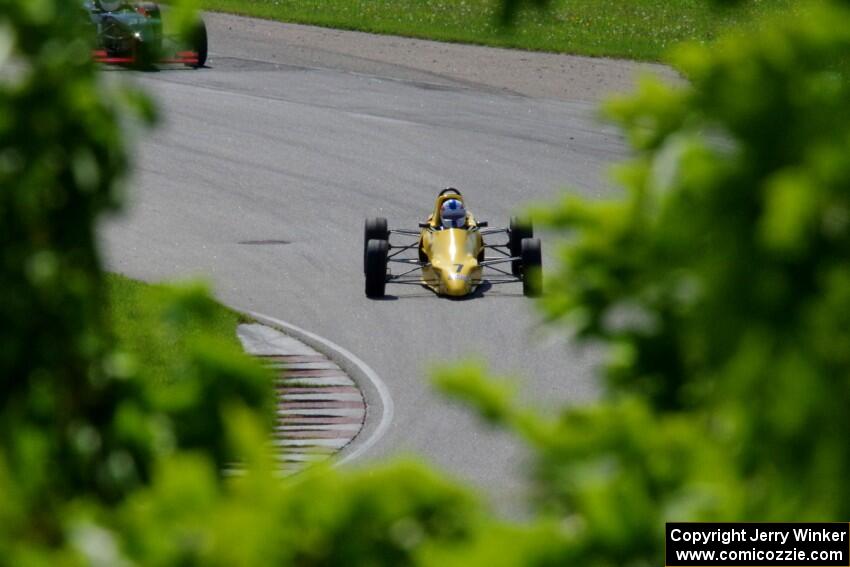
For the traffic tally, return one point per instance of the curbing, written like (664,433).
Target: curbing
(379,403)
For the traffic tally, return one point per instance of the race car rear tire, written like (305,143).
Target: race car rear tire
(376,267)
(376,229)
(519,229)
(532,267)
(199,43)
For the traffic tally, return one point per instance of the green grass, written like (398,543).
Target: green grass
(636,29)
(142,317)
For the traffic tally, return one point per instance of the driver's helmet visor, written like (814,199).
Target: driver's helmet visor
(453,214)
(110,6)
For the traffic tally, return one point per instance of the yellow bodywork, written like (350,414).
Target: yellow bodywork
(452,254)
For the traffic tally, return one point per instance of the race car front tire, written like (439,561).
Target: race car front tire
(199,43)
(376,229)
(519,230)
(376,267)
(532,267)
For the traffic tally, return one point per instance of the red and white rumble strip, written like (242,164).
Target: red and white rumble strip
(320,409)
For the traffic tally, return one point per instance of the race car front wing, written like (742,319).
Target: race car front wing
(179,58)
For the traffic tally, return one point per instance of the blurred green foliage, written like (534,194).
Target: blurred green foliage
(720,284)
(81,426)
(61,393)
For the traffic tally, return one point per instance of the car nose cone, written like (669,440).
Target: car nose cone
(456,287)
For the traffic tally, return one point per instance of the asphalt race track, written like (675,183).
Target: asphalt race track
(259,180)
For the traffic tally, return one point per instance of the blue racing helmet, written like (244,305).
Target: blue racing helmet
(452,214)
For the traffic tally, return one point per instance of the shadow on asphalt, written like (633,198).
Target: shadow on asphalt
(483,290)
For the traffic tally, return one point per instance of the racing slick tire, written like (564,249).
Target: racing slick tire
(199,44)
(376,267)
(518,231)
(532,267)
(376,229)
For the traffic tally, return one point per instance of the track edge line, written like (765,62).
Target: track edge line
(372,386)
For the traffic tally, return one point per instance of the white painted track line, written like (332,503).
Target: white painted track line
(380,408)
(313,395)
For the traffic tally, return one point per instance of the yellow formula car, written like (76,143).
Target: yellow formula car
(451,253)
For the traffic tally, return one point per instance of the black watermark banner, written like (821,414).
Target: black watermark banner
(757,544)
